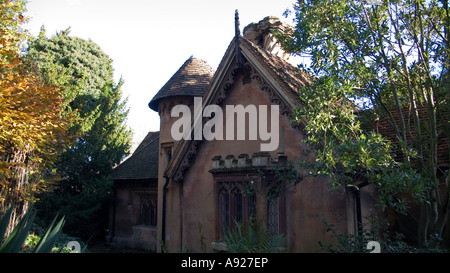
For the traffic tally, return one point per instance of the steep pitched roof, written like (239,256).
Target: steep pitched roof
(191,79)
(143,163)
(275,75)
(288,76)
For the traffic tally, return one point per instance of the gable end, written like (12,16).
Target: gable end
(281,91)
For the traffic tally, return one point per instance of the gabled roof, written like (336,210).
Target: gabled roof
(275,75)
(191,79)
(143,163)
(289,77)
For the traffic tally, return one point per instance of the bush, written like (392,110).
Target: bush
(14,242)
(375,230)
(253,239)
(60,246)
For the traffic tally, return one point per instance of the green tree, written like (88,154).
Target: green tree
(386,61)
(86,73)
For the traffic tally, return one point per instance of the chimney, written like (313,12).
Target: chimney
(261,35)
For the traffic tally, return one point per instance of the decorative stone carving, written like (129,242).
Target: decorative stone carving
(259,159)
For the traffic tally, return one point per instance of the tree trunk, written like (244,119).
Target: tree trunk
(422,235)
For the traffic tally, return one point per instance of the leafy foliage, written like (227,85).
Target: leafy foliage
(15,241)
(33,129)
(103,138)
(378,63)
(375,229)
(255,238)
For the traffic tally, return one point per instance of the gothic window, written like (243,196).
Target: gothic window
(274,215)
(148,216)
(275,211)
(237,204)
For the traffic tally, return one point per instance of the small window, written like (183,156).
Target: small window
(166,153)
(148,211)
(273,215)
(275,209)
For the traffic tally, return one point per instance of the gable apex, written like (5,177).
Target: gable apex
(274,75)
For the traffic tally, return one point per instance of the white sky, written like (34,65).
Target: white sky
(149,40)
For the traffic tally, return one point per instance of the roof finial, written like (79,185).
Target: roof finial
(236,23)
(237,34)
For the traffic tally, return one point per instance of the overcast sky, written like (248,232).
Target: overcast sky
(149,40)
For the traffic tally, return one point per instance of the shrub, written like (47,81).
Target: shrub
(375,230)
(254,238)
(14,242)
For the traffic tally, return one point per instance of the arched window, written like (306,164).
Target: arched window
(148,211)
(237,204)
(238,198)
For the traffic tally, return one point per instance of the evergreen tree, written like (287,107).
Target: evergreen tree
(86,73)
